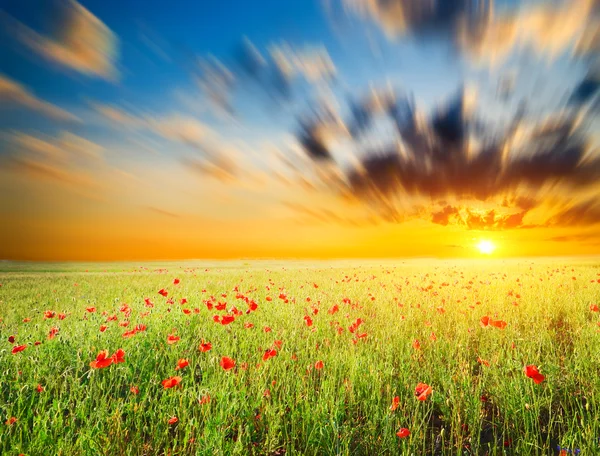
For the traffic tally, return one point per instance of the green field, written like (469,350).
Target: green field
(343,338)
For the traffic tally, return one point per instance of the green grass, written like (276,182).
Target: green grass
(343,408)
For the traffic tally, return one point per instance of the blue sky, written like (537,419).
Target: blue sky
(104,102)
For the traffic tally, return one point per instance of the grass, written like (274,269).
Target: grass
(285,405)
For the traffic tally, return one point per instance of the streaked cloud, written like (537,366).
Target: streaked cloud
(81,41)
(11,92)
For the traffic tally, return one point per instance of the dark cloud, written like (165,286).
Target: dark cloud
(581,214)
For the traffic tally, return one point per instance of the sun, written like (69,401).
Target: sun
(486,247)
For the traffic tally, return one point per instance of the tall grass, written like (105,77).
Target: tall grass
(285,405)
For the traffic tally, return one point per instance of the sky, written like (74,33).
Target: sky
(298,129)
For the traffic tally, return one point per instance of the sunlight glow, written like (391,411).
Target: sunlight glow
(486,247)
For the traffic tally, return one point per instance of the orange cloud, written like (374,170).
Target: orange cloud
(83,42)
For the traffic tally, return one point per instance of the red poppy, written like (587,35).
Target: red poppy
(485,321)
(62,316)
(269,353)
(119,356)
(18,348)
(498,324)
(134,390)
(103,328)
(102,360)
(49,314)
(483,361)
(176,281)
(173,420)
(267,329)
(416,344)
(140,327)
(278,343)
(182,363)
(395,403)
(172,339)
(90,309)
(532,372)
(354,326)
(319,365)
(163,292)
(187,311)
(205,346)
(248,325)
(204,400)
(403,432)
(226,319)
(594,308)
(12,420)
(11,339)
(423,391)
(227,363)
(39,388)
(171,382)
(333,309)
(183,301)
(308,320)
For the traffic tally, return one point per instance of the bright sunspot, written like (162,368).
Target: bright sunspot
(486,247)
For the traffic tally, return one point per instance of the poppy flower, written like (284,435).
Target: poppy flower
(134,390)
(227,363)
(102,360)
(62,316)
(308,321)
(171,382)
(498,324)
(49,314)
(204,400)
(226,319)
(248,325)
(278,343)
(176,281)
(11,339)
(133,332)
(140,327)
(267,329)
(594,308)
(12,420)
(163,292)
(416,344)
(403,432)
(483,361)
(183,301)
(532,372)
(182,363)
(395,403)
(423,391)
(319,365)
(269,353)
(187,311)
(333,309)
(90,309)
(39,388)
(119,356)
(485,321)
(103,328)
(205,346)
(173,420)
(172,339)
(18,348)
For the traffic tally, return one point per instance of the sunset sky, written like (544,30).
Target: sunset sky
(298,128)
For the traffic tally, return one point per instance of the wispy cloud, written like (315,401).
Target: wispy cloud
(11,92)
(82,42)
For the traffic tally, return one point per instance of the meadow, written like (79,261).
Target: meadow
(411,357)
